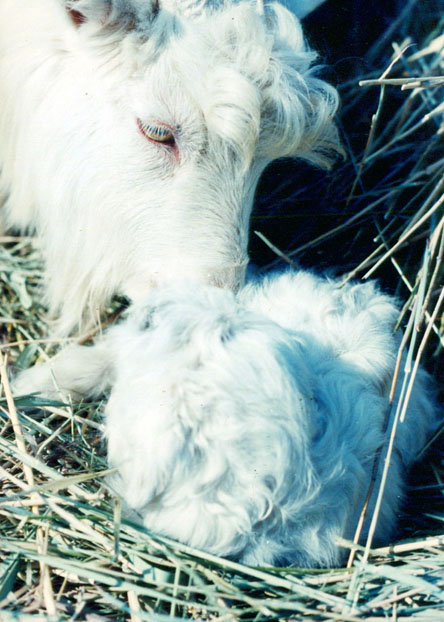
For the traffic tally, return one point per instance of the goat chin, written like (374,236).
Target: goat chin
(248,425)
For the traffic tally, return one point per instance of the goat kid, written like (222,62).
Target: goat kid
(248,426)
(133,135)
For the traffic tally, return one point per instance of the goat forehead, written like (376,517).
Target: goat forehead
(163,94)
(221,69)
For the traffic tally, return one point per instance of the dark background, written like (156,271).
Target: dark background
(295,202)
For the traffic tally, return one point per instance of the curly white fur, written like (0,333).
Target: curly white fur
(116,211)
(248,426)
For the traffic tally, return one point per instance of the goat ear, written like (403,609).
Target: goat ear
(76,17)
(126,14)
(81,11)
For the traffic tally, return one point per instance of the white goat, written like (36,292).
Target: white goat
(133,135)
(249,426)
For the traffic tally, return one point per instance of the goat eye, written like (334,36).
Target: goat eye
(157,132)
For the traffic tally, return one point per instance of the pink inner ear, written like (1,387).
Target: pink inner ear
(76,17)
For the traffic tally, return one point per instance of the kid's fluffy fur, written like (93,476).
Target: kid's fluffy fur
(248,426)
(117,212)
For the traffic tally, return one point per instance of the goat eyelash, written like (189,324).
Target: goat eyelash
(157,132)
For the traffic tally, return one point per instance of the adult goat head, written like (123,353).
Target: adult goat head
(133,135)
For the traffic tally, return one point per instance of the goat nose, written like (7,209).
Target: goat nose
(228,277)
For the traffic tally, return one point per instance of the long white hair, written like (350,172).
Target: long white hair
(117,211)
